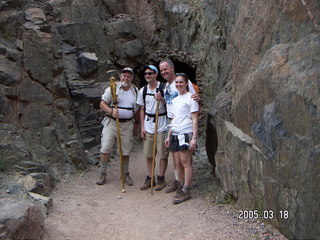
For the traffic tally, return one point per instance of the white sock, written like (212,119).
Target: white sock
(176,175)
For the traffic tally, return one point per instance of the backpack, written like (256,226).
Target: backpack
(144,94)
(196,88)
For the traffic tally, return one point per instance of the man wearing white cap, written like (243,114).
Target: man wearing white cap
(127,95)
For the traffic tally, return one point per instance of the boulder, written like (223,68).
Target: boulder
(5,106)
(129,49)
(38,59)
(124,29)
(35,15)
(36,116)
(10,72)
(36,178)
(13,149)
(9,23)
(32,91)
(45,201)
(20,219)
(77,154)
(88,63)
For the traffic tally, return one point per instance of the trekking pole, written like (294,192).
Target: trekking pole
(154,145)
(113,85)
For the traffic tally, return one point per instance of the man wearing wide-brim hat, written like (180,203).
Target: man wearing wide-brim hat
(126,112)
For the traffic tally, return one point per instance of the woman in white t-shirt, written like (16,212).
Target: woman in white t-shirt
(182,137)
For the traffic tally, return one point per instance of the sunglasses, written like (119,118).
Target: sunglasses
(148,73)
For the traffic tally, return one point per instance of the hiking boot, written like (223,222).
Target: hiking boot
(147,183)
(180,189)
(173,187)
(181,197)
(127,179)
(160,183)
(102,179)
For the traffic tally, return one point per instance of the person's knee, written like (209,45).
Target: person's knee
(105,157)
(164,160)
(186,161)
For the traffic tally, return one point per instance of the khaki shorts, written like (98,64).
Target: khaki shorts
(161,150)
(109,136)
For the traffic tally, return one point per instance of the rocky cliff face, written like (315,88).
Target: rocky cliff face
(267,114)
(257,65)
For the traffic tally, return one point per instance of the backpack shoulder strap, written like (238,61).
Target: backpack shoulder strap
(144,93)
(161,87)
(135,88)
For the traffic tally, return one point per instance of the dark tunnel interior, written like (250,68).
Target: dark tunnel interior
(180,67)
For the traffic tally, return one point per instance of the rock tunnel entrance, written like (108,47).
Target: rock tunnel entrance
(181,65)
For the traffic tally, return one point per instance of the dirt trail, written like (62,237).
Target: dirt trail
(83,210)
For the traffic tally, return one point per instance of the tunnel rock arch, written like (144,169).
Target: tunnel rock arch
(182,62)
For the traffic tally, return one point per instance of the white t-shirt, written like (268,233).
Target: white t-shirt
(171,92)
(150,108)
(182,107)
(126,102)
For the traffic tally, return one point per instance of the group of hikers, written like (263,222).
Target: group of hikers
(168,117)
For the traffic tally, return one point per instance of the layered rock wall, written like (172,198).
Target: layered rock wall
(266,115)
